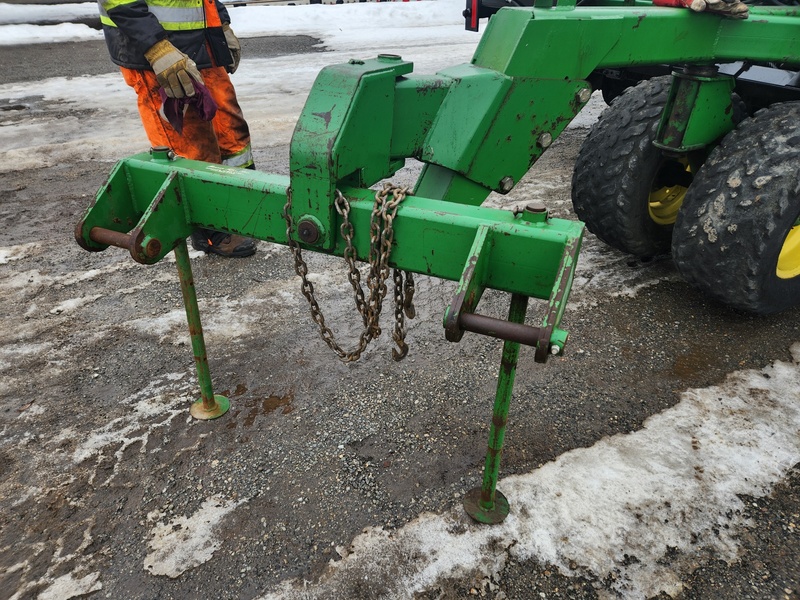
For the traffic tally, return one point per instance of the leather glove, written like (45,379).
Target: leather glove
(728,8)
(733,9)
(174,70)
(234,46)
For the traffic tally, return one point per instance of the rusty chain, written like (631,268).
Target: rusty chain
(369,307)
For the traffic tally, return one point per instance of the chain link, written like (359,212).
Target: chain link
(380,247)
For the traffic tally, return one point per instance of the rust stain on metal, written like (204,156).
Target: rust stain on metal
(508,367)
(499,421)
(494,452)
(325,116)
(153,248)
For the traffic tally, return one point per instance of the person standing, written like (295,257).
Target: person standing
(177,56)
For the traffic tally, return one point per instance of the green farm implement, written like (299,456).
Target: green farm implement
(478,128)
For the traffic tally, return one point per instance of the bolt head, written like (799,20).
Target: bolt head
(584,95)
(506,184)
(308,231)
(153,248)
(544,140)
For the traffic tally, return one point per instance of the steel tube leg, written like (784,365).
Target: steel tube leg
(485,504)
(209,406)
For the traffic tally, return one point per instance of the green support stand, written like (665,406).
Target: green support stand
(485,504)
(209,406)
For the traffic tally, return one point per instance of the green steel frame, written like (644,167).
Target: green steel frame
(478,128)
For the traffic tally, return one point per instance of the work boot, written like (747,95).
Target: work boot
(223,244)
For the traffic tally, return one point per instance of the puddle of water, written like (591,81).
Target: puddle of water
(250,409)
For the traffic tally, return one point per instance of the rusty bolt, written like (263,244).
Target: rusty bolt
(308,231)
(153,248)
(506,184)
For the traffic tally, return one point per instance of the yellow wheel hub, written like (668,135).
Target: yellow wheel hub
(789,259)
(663,203)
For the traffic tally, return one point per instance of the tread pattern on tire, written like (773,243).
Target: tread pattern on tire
(607,182)
(738,210)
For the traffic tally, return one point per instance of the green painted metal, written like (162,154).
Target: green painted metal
(432,237)
(699,111)
(479,127)
(524,42)
(208,406)
(342,136)
(471,285)
(486,504)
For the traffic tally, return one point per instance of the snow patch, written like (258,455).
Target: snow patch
(602,269)
(19,252)
(12,35)
(152,411)
(187,542)
(68,306)
(67,586)
(10,354)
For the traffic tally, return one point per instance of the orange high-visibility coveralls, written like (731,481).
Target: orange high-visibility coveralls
(225,139)
(195,27)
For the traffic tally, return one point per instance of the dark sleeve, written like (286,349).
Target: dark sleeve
(138,24)
(223,12)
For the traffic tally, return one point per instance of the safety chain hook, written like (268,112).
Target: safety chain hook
(369,307)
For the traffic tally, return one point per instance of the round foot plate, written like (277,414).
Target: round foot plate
(221,406)
(491,516)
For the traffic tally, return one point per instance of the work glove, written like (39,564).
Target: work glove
(733,9)
(234,46)
(174,70)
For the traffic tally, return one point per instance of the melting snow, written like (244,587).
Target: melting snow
(186,542)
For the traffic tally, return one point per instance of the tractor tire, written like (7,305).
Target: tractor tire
(625,190)
(737,236)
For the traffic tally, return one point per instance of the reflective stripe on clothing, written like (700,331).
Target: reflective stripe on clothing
(174,15)
(106,5)
(241,159)
(132,27)
(226,136)
(177,18)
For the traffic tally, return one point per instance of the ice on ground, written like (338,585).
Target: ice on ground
(187,542)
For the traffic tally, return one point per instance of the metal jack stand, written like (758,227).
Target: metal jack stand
(486,504)
(209,406)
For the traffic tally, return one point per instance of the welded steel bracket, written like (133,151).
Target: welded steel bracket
(698,112)
(460,315)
